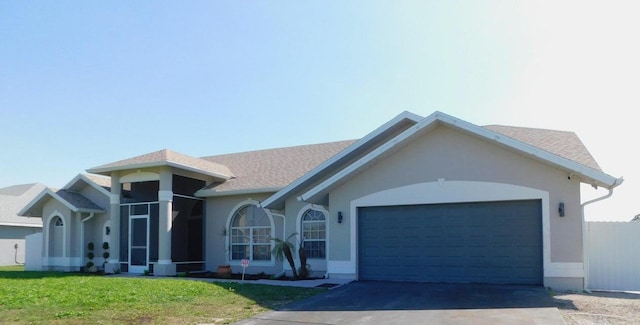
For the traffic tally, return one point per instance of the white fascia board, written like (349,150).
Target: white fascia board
(291,187)
(158,164)
(88,181)
(439,117)
(45,192)
(15,224)
(200,171)
(214,193)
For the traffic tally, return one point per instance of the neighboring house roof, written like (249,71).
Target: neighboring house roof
(166,158)
(76,202)
(14,198)
(551,155)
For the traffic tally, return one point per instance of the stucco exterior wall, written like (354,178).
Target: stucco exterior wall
(219,210)
(9,237)
(446,154)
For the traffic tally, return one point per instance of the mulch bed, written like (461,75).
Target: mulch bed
(238,276)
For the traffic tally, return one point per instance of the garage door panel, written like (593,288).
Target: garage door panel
(489,242)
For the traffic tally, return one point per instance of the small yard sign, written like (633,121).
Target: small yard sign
(245,263)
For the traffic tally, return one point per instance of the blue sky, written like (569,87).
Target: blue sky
(87,83)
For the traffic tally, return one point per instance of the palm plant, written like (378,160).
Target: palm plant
(284,249)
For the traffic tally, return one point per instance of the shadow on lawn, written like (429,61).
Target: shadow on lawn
(40,274)
(272,297)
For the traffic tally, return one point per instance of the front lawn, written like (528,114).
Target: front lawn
(65,298)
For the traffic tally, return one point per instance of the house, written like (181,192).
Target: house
(14,228)
(431,198)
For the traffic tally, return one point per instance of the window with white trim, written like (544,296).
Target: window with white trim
(314,233)
(58,222)
(250,234)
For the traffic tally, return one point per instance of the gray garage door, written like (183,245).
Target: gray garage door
(486,242)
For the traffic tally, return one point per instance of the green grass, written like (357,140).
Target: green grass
(68,298)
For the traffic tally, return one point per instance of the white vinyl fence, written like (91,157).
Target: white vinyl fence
(614,255)
(33,256)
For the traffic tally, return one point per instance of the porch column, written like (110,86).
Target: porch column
(165,265)
(114,244)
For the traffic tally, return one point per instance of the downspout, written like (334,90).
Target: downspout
(585,247)
(82,236)
(284,228)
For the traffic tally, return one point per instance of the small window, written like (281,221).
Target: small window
(314,233)
(250,234)
(59,222)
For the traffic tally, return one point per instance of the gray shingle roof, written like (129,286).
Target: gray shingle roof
(273,168)
(78,200)
(163,158)
(561,143)
(13,199)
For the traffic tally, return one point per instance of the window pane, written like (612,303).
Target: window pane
(239,252)
(261,235)
(238,236)
(262,252)
(315,249)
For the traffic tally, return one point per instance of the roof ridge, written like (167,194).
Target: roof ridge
(525,127)
(277,148)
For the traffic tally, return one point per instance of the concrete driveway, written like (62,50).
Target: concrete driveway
(419,303)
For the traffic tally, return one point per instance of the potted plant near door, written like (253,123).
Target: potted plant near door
(224,271)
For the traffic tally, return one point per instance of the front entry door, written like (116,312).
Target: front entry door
(139,244)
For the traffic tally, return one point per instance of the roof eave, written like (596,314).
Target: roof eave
(108,170)
(214,193)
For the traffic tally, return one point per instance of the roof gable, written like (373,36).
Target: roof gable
(354,151)
(100,183)
(586,173)
(76,202)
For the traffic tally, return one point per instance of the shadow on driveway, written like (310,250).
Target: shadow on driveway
(373,302)
(374,295)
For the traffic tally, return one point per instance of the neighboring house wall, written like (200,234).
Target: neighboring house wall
(9,238)
(448,154)
(614,261)
(219,211)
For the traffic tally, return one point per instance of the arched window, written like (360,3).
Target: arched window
(250,234)
(58,222)
(314,233)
